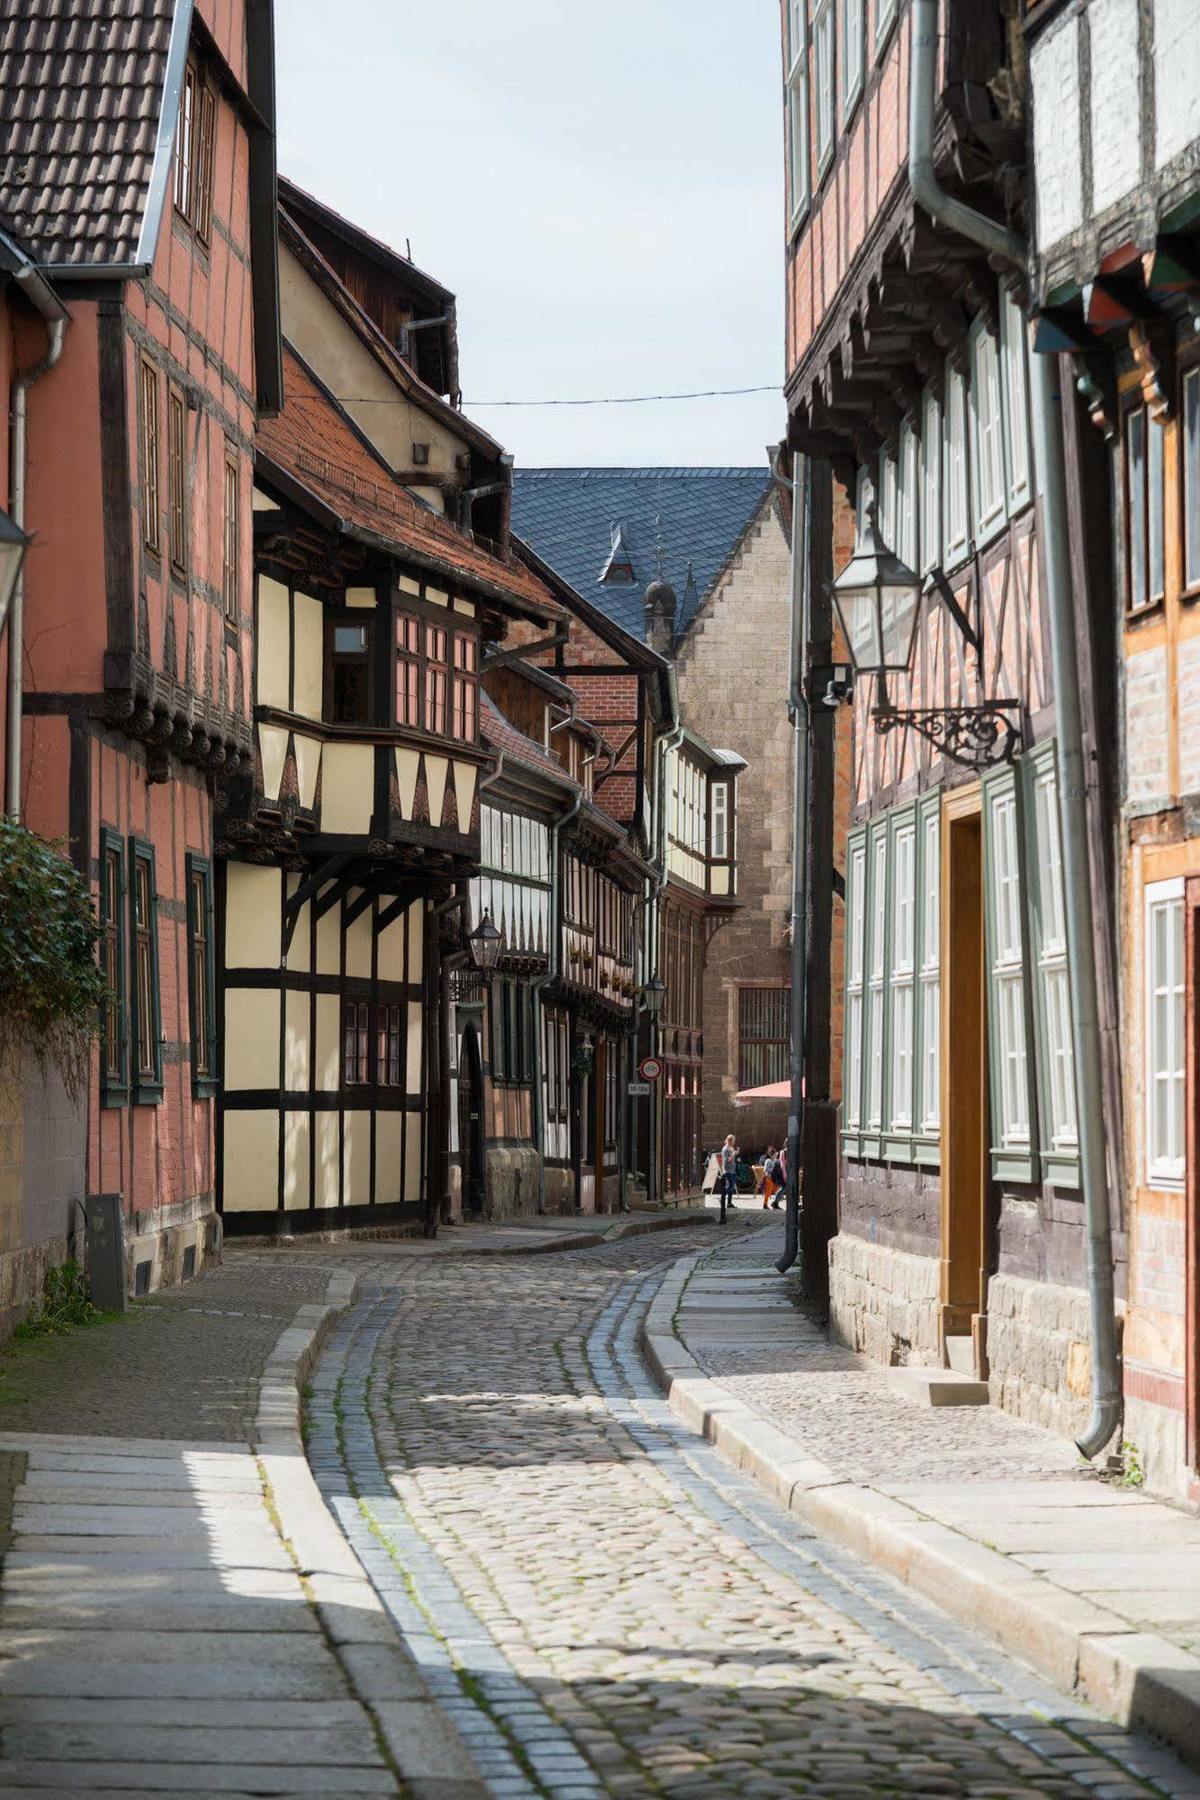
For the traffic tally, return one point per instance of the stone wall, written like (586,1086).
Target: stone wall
(42,1182)
(884,1302)
(732,671)
(511,1182)
(1039,1352)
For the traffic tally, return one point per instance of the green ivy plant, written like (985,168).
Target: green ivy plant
(51,989)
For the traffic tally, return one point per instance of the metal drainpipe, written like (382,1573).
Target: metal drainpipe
(57,328)
(1077,883)
(801,577)
(536,986)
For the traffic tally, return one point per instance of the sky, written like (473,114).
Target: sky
(600,184)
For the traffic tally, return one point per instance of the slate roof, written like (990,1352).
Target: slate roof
(82,86)
(314,442)
(569,516)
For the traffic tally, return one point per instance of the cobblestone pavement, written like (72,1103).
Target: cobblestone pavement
(604,1607)
(184,1363)
(843,1410)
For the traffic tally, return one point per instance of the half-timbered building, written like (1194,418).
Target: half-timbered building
(1114,135)
(961,1235)
(139,177)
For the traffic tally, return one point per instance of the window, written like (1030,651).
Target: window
(988,431)
(797,112)
(612,1076)
(112,962)
(1014,345)
(720,819)
(177,477)
(201,971)
(1143,510)
(356,1044)
(907,498)
(145,1029)
(348,669)
(556,1077)
(903,913)
(435,679)
(852,52)
(856,886)
(408,670)
(1191,478)
(888,520)
(931,482)
(764,1024)
(955,474)
(883,22)
(1164,1032)
(1055,994)
(231,534)
(195,142)
(466,682)
(510,1020)
(824,24)
(1003,877)
(389,1042)
(876,982)
(929,1073)
(148,422)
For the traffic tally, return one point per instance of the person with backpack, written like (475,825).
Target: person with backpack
(772,1180)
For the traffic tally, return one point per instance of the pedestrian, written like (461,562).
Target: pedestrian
(771,1178)
(783,1175)
(729,1163)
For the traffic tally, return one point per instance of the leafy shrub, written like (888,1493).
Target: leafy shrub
(51,988)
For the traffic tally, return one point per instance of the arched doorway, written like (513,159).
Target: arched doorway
(470,1122)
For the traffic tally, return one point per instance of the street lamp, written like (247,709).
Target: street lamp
(485,944)
(13,542)
(654,992)
(877,596)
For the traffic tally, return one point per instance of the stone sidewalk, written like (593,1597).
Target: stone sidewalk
(1095,1585)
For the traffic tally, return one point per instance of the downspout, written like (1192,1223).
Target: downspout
(670,740)
(437,1212)
(553,967)
(1077,882)
(801,726)
(56,323)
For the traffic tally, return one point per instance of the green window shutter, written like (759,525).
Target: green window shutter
(853,1017)
(1059,1135)
(1011,1031)
(114,901)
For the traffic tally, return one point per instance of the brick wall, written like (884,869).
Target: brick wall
(732,671)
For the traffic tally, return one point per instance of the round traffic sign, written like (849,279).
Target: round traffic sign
(650,1068)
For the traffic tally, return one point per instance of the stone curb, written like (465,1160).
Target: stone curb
(586,1240)
(1136,1677)
(422,1742)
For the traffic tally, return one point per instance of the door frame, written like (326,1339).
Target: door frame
(472,1160)
(965,1172)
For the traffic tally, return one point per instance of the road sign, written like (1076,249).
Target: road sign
(650,1068)
(637,1090)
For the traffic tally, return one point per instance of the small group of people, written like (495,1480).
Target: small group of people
(722,1174)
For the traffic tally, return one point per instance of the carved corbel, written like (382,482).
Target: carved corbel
(1154,357)
(1097,389)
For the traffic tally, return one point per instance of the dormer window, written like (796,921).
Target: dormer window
(619,571)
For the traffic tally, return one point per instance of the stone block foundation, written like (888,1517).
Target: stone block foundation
(1039,1352)
(884,1302)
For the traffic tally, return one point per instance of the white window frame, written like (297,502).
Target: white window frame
(1189,415)
(796,110)
(825,107)
(720,819)
(1014,358)
(908,478)
(987,434)
(856,926)
(1008,974)
(864,495)
(928,1105)
(956,484)
(886,487)
(1166,1160)
(877,981)
(1053,983)
(884,21)
(902,996)
(854,31)
(931,482)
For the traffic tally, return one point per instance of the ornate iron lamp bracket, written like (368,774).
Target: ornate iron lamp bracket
(977,737)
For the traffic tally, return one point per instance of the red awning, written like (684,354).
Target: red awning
(774,1090)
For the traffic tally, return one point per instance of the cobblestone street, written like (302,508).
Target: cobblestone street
(603,1607)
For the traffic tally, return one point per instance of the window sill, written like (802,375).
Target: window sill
(205,1087)
(1014,1165)
(1153,609)
(113,1097)
(884,32)
(147,1093)
(1190,594)
(1061,1168)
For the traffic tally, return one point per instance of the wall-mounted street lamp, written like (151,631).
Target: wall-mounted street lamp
(13,543)
(654,992)
(878,601)
(485,944)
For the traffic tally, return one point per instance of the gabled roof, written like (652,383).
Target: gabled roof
(499,733)
(89,95)
(569,517)
(320,452)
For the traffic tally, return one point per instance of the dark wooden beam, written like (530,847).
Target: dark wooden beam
(327,871)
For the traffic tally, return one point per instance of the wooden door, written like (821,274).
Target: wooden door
(964,1135)
(470,1121)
